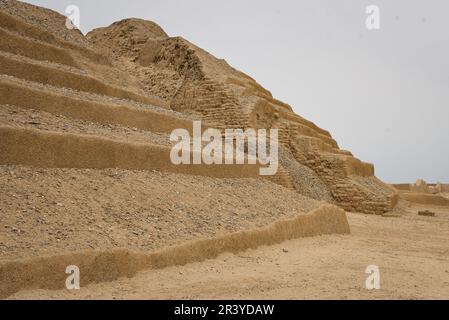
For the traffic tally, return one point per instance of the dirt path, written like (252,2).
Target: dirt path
(412,253)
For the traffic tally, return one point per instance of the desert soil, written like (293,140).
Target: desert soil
(52,211)
(411,251)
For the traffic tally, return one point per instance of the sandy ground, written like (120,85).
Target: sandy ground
(54,211)
(411,251)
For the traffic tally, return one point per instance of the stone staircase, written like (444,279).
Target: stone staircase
(351,182)
(213,102)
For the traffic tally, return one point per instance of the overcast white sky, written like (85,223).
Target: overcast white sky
(383,94)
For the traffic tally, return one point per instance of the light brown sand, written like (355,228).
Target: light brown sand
(54,211)
(412,253)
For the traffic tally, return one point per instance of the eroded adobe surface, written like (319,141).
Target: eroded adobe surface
(133,75)
(194,82)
